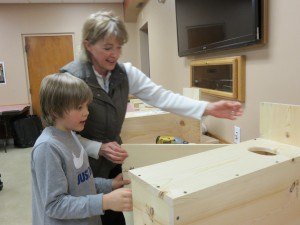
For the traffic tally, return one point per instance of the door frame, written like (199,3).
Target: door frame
(25,57)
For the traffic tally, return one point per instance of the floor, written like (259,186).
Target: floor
(15,197)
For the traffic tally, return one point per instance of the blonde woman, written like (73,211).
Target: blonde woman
(103,36)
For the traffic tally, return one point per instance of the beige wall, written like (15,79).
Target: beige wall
(18,19)
(272,72)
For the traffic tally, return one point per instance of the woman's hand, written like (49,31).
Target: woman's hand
(113,152)
(224,109)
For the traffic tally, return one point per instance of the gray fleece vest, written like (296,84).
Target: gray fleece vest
(107,110)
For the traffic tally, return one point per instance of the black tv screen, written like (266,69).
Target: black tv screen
(210,25)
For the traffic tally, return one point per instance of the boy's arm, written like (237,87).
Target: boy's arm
(103,185)
(52,185)
(107,185)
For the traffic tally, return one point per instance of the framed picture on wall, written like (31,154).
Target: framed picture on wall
(2,73)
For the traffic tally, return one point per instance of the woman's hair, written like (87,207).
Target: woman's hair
(60,93)
(99,26)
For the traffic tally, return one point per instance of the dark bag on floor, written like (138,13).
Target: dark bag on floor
(26,130)
(1,183)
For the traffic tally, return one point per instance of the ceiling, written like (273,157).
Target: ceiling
(131,7)
(61,1)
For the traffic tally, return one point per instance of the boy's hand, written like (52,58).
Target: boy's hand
(118,200)
(118,182)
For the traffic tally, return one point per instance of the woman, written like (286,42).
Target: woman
(103,36)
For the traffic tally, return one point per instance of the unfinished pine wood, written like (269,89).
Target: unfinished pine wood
(144,127)
(254,182)
(147,154)
(280,122)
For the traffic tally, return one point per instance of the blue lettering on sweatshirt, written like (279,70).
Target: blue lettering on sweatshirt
(84,176)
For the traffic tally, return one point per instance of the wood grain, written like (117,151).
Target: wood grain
(228,185)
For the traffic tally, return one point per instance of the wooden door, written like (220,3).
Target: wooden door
(45,55)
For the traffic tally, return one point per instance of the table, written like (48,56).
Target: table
(8,112)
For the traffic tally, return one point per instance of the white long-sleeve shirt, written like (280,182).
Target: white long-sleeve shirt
(149,92)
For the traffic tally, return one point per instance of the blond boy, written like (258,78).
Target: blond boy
(64,190)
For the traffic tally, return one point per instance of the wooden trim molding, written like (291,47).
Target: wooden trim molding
(210,78)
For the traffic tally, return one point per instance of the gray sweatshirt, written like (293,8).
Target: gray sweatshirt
(64,190)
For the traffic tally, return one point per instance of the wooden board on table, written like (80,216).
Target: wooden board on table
(280,122)
(144,127)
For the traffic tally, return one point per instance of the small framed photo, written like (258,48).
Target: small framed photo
(2,73)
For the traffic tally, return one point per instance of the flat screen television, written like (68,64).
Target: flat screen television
(210,25)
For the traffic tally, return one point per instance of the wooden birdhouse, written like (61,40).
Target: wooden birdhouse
(252,183)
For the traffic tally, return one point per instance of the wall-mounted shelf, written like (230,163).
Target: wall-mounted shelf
(222,77)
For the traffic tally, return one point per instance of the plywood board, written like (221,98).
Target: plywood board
(254,182)
(280,122)
(144,127)
(147,154)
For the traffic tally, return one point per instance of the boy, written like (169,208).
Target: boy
(64,190)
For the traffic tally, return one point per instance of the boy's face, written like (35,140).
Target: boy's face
(74,119)
(105,54)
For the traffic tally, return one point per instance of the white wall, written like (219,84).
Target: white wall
(272,72)
(18,19)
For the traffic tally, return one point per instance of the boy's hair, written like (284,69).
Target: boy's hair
(99,26)
(60,93)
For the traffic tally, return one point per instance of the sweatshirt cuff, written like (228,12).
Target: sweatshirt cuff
(96,205)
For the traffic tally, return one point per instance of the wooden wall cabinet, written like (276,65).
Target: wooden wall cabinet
(221,77)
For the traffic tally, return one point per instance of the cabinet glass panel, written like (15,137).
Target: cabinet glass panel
(214,77)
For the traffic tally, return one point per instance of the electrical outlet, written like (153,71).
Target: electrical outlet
(237,134)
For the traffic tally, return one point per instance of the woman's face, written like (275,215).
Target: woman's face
(105,54)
